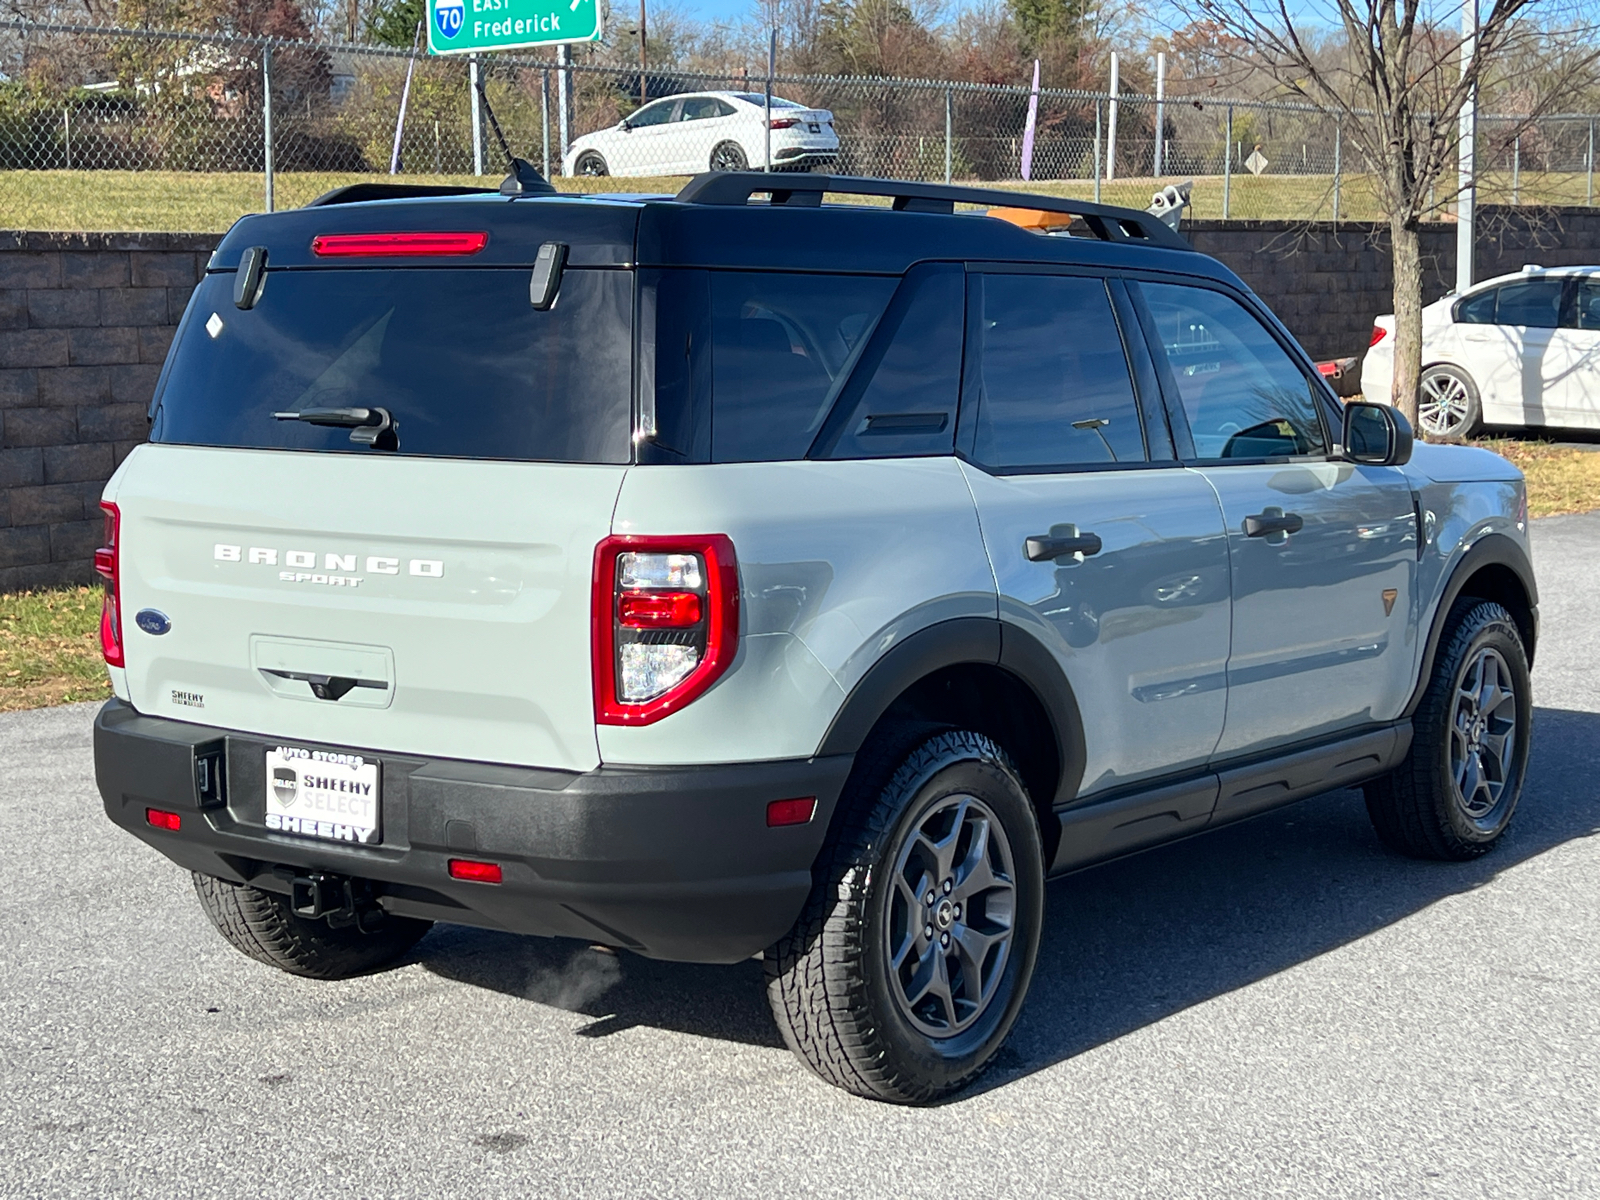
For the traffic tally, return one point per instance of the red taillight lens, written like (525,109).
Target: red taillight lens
(108,562)
(798,811)
(162,819)
(1327,368)
(785,122)
(474,872)
(1378,334)
(666,623)
(659,610)
(396,245)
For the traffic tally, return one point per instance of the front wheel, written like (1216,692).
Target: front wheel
(1454,794)
(907,969)
(1448,405)
(591,164)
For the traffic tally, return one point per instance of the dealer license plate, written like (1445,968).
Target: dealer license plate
(323,794)
(816,128)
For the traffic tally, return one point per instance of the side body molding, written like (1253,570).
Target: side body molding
(1492,549)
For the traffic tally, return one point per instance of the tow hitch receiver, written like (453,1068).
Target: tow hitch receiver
(343,901)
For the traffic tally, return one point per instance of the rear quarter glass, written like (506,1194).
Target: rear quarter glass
(460,358)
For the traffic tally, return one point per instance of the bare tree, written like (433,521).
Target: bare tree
(1397,80)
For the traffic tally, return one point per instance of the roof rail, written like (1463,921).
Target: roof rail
(1108,222)
(355,193)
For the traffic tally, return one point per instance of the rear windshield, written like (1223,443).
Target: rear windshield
(460,358)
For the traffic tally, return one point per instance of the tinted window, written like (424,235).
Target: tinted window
(1586,309)
(901,398)
(460,358)
(653,114)
(698,108)
(779,343)
(1477,310)
(1243,394)
(1534,302)
(1055,388)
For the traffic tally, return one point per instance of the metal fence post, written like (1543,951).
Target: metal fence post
(1338,165)
(266,121)
(1516,170)
(1111,125)
(1588,196)
(1227,168)
(766,121)
(544,119)
(563,98)
(1097,116)
(947,123)
(477,116)
(66,133)
(1161,109)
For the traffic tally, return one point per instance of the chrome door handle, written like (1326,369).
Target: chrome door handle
(1268,523)
(1044,547)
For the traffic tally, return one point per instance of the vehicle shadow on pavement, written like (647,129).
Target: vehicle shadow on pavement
(1125,944)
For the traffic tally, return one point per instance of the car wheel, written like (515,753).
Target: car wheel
(590,163)
(1448,408)
(909,964)
(263,926)
(729,156)
(1453,796)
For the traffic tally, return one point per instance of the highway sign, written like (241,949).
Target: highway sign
(468,26)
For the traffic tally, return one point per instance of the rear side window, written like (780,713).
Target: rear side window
(780,345)
(1054,387)
(466,366)
(1586,306)
(1534,303)
(1242,393)
(1479,309)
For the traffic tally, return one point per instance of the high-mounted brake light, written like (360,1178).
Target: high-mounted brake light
(1378,334)
(108,562)
(665,614)
(396,245)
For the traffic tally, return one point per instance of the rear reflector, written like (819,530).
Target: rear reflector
(396,245)
(162,819)
(798,811)
(474,872)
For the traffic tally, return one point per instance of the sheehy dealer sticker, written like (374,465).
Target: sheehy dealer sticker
(322,794)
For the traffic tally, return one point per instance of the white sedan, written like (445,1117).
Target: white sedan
(1519,350)
(707,131)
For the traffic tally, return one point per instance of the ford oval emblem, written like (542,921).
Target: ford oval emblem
(152,621)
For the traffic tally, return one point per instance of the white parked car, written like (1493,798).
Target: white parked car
(1517,350)
(716,131)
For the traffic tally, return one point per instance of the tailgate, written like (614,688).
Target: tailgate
(432,607)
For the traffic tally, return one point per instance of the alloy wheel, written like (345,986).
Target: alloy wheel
(1483,734)
(951,914)
(1444,405)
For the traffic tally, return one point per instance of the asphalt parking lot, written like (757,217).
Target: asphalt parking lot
(1281,1008)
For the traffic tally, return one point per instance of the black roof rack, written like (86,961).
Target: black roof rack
(1108,222)
(355,193)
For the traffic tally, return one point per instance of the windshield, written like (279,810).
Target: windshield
(459,357)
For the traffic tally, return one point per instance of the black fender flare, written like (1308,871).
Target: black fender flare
(1492,549)
(985,640)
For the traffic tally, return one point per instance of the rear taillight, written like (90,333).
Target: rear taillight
(666,623)
(107,561)
(1378,334)
(785,122)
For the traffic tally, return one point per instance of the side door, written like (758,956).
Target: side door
(646,146)
(1322,552)
(703,122)
(1103,547)
(1577,347)
(1509,353)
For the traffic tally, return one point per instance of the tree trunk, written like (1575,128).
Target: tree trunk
(1407,255)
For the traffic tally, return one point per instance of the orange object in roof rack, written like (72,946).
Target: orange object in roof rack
(1034,218)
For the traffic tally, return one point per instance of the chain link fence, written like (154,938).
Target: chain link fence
(304,115)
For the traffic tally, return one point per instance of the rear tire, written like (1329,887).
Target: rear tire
(909,964)
(590,163)
(729,156)
(263,926)
(1448,406)
(1454,795)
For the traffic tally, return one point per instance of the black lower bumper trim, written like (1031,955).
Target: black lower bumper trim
(673,862)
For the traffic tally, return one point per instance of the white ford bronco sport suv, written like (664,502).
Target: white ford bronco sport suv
(736,574)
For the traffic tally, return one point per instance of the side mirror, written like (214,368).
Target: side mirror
(1376,435)
(625,125)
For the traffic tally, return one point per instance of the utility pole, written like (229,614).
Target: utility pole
(1111,125)
(1464,152)
(563,95)
(644,66)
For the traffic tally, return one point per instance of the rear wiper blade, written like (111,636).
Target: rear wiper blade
(375,427)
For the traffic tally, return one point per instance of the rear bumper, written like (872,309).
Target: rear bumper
(674,863)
